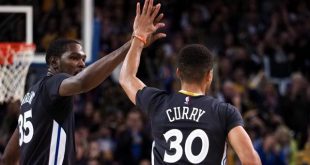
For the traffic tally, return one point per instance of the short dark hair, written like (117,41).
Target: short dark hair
(193,62)
(58,47)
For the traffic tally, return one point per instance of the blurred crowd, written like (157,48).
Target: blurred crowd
(262,53)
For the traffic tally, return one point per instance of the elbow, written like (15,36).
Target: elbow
(122,82)
(251,162)
(122,79)
(251,159)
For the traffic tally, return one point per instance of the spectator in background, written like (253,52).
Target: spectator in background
(274,31)
(133,143)
(255,126)
(94,153)
(51,33)
(286,144)
(295,108)
(269,152)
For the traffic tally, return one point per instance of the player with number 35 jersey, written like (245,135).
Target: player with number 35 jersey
(45,131)
(48,141)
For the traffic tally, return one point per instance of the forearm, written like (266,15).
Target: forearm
(11,152)
(94,74)
(251,159)
(132,60)
(128,79)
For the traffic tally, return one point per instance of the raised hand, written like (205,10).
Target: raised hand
(146,22)
(155,36)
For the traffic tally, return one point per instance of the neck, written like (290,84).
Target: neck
(193,88)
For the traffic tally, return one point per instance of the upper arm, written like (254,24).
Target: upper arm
(148,99)
(70,86)
(242,145)
(61,85)
(238,138)
(131,86)
(128,79)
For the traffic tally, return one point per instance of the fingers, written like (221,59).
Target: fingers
(159,18)
(138,10)
(150,7)
(145,7)
(153,8)
(159,36)
(159,25)
(154,14)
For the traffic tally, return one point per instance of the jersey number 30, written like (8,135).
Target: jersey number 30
(25,127)
(194,159)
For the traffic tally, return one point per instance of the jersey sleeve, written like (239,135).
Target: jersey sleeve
(147,99)
(233,118)
(53,84)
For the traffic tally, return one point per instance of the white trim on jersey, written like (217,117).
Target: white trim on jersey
(223,162)
(58,145)
(152,156)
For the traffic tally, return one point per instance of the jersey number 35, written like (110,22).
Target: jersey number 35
(25,127)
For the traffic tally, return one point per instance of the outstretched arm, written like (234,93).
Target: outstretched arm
(143,27)
(97,72)
(128,80)
(242,145)
(94,74)
(11,152)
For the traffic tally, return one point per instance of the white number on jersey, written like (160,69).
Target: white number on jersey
(194,159)
(25,124)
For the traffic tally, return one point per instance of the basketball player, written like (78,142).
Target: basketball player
(188,127)
(45,131)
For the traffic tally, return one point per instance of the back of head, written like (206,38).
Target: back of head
(193,62)
(57,48)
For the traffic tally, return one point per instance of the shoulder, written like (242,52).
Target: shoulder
(221,106)
(151,91)
(149,97)
(228,114)
(146,88)
(60,76)
(216,104)
(57,78)
(53,83)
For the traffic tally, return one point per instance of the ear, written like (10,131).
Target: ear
(55,62)
(209,76)
(177,73)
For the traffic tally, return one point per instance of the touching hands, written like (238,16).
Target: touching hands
(146,23)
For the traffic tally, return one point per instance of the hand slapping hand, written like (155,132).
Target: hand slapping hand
(146,23)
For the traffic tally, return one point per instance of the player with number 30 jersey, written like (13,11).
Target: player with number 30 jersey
(187,128)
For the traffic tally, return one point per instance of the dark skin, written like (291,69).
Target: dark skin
(10,155)
(83,78)
(73,63)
